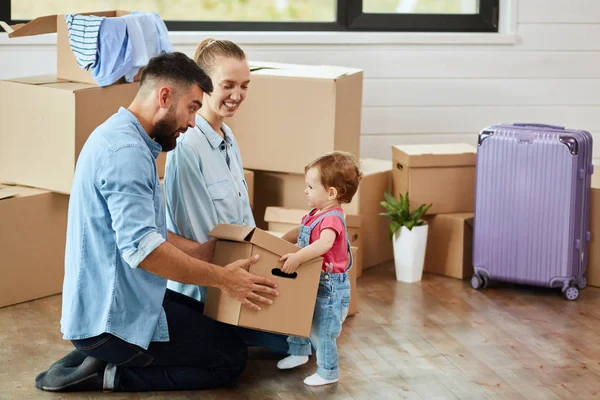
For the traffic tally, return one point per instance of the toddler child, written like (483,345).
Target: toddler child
(330,181)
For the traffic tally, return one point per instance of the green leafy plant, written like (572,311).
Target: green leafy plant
(399,213)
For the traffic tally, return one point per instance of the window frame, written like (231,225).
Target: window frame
(349,18)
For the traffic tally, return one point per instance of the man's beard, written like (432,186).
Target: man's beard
(165,132)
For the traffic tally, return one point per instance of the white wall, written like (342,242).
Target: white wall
(426,90)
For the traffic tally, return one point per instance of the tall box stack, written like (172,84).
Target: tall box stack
(443,175)
(45,122)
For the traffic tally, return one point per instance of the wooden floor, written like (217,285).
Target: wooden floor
(436,339)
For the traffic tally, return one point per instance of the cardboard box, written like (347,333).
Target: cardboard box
(66,63)
(321,113)
(353,275)
(249,178)
(297,295)
(450,245)
(287,190)
(593,267)
(280,219)
(45,123)
(32,243)
(441,174)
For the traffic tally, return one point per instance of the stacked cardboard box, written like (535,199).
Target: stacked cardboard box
(32,243)
(443,175)
(45,123)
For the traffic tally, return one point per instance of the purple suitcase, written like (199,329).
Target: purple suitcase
(532,200)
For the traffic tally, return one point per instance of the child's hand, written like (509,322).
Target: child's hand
(291,264)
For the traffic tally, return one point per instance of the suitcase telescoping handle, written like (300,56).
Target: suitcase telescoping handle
(540,126)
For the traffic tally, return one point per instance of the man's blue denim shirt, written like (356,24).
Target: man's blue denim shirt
(116,218)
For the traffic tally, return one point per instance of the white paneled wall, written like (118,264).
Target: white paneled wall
(435,93)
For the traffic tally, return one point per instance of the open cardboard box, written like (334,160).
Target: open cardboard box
(292,311)
(32,243)
(66,64)
(441,174)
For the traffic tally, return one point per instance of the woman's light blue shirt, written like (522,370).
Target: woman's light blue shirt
(204,185)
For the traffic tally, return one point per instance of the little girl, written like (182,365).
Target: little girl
(330,181)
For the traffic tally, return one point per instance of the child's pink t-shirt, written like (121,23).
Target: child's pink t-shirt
(336,259)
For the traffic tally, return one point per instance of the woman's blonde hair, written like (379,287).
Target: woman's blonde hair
(210,49)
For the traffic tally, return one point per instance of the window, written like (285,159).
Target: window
(285,15)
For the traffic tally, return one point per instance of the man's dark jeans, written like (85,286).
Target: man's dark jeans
(201,353)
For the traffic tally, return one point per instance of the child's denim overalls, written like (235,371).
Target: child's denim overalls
(331,309)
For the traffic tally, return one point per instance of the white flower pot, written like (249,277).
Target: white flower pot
(409,253)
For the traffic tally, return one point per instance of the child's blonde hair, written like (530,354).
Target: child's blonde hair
(339,170)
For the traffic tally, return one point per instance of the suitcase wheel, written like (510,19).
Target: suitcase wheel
(479,281)
(582,283)
(571,293)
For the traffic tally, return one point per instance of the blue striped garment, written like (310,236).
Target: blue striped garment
(83,38)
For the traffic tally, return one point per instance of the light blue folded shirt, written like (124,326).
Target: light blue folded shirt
(149,37)
(114,48)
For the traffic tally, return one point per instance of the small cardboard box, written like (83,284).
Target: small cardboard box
(280,219)
(32,243)
(249,178)
(353,275)
(287,190)
(297,294)
(450,245)
(441,174)
(65,114)
(593,267)
(66,67)
(321,113)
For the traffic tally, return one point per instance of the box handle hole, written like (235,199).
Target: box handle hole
(279,272)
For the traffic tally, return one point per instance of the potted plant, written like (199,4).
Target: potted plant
(408,231)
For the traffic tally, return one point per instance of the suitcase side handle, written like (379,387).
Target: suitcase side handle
(562,128)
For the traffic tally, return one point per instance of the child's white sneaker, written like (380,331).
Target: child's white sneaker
(316,380)
(292,362)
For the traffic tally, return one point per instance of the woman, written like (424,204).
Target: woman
(204,178)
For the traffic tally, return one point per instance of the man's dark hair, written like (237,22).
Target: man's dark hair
(177,68)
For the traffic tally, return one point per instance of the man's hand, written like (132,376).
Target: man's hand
(291,264)
(243,286)
(205,250)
